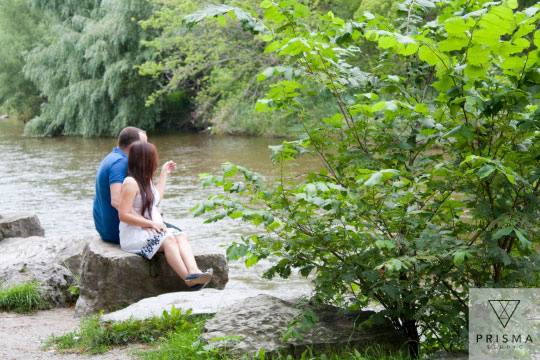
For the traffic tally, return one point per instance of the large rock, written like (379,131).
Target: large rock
(261,321)
(112,278)
(52,262)
(206,302)
(20,226)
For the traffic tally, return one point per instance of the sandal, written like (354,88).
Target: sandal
(193,280)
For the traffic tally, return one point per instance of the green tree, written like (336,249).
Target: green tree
(222,78)
(87,73)
(429,181)
(21,28)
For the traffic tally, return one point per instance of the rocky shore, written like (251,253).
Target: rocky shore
(125,286)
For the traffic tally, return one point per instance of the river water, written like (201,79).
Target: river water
(54,178)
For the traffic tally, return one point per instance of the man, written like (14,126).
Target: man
(110,176)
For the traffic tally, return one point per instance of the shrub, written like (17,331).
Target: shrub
(429,177)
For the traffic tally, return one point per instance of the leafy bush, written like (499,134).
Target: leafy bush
(22,298)
(429,180)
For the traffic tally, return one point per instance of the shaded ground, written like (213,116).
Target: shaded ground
(22,336)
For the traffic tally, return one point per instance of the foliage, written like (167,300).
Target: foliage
(222,78)
(183,344)
(22,298)
(21,28)
(96,337)
(219,78)
(429,178)
(87,72)
(88,68)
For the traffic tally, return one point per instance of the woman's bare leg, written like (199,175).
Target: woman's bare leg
(172,254)
(187,254)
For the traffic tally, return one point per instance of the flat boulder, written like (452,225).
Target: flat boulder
(112,278)
(203,302)
(20,226)
(260,322)
(51,262)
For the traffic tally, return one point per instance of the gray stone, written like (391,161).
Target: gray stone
(20,226)
(261,321)
(206,302)
(44,260)
(112,278)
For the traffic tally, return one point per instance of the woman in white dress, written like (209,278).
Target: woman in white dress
(142,230)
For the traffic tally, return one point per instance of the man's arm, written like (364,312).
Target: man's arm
(116,190)
(117,174)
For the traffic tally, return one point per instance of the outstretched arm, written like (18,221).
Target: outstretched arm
(125,210)
(167,168)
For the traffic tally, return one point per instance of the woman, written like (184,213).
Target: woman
(141,227)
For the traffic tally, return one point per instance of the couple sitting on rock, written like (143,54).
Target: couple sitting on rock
(125,206)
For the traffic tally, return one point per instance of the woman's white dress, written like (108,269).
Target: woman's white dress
(142,241)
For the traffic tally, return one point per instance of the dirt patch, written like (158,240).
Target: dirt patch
(22,336)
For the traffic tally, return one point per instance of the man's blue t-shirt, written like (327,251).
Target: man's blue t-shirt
(113,169)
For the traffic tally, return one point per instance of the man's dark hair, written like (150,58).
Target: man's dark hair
(128,136)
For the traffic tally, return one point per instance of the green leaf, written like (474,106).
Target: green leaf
(502,232)
(387,42)
(512,4)
(428,55)
(335,121)
(456,26)
(453,43)
(460,256)
(265,4)
(478,55)
(236,251)
(380,176)
(251,260)
(485,171)
(262,105)
(524,243)
(385,244)
(514,63)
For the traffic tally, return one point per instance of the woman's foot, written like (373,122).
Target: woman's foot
(196,279)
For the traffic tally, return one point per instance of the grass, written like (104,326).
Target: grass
(95,337)
(22,298)
(374,353)
(177,336)
(183,345)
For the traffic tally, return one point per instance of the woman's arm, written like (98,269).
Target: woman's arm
(125,210)
(167,168)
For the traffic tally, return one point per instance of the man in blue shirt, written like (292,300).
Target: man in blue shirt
(110,176)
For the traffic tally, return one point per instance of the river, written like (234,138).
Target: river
(54,178)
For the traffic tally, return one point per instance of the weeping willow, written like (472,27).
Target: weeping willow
(87,73)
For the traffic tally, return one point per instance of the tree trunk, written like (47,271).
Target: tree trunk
(413,339)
